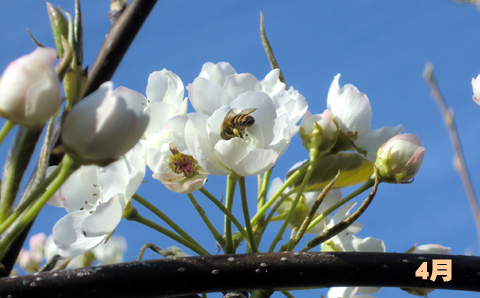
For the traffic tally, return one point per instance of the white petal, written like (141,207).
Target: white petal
(69,238)
(105,218)
(207,96)
(373,139)
(165,86)
(271,84)
(350,106)
(240,83)
(217,72)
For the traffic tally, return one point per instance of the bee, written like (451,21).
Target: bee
(235,123)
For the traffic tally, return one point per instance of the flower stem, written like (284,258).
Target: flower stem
(246,215)
(269,203)
(345,223)
(231,184)
(135,216)
(312,212)
(68,166)
(7,127)
(15,167)
(207,222)
(32,196)
(369,183)
(278,237)
(226,212)
(165,218)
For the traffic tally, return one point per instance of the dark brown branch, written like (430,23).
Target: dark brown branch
(117,42)
(186,276)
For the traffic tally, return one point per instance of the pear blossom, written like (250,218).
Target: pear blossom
(399,159)
(166,152)
(319,131)
(105,125)
(30,89)
(353,115)
(347,241)
(111,252)
(431,249)
(305,204)
(95,199)
(476,89)
(426,249)
(219,91)
(30,260)
(168,157)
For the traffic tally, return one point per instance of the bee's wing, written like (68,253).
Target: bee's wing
(231,114)
(247,111)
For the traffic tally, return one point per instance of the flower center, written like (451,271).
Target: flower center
(181,164)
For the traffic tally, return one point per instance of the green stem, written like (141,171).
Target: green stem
(287,183)
(246,214)
(7,127)
(231,184)
(278,237)
(369,183)
(68,166)
(263,190)
(226,212)
(135,216)
(345,223)
(207,222)
(15,167)
(312,212)
(31,197)
(165,218)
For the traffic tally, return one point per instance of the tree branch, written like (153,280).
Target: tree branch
(292,270)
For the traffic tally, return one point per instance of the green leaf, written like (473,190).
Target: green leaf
(354,170)
(59,27)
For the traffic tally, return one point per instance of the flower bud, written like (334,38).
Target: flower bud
(400,158)
(319,131)
(30,90)
(104,125)
(476,90)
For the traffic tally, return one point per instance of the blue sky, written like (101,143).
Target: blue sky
(379,46)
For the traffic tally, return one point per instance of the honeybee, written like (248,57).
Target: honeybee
(235,123)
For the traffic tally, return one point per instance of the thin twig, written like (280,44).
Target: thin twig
(460,164)
(269,50)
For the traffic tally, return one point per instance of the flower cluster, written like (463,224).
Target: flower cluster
(241,125)
(345,124)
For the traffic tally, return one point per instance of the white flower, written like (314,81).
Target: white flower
(349,292)
(95,199)
(246,150)
(476,89)
(164,100)
(347,241)
(105,125)
(30,89)
(319,131)
(112,251)
(431,249)
(30,260)
(169,159)
(399,159)
(353,114)
(304,206)
(166,151)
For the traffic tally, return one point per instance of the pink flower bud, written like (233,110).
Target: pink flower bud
(30,89)
(399,159)
(105,125)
